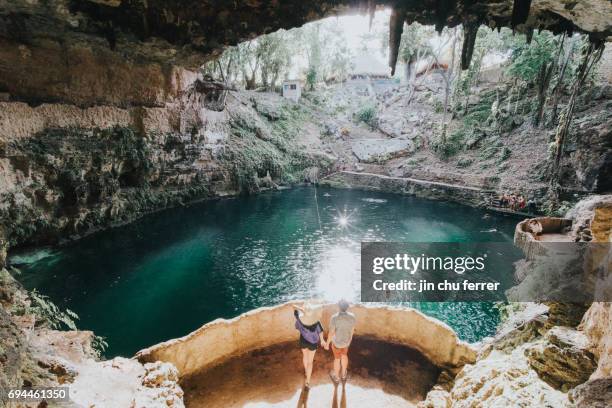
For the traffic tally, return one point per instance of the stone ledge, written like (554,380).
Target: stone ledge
(222,339)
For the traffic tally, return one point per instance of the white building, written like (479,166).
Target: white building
(292,89)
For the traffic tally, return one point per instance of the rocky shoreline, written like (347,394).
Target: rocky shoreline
(466,195)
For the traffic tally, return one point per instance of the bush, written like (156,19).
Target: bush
(99,345)
(449,146)
(249,155)
(311,78)
(368,115)
(526,59)
(490,150)
(505,154)
(49,314)
(415,161)
(465,162)
(438,106)
(477,118)
(553,209)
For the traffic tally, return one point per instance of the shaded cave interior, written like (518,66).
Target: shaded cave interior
(380,372)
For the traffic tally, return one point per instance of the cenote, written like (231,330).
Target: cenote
(170,272)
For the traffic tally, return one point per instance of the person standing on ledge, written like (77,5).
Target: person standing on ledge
(311,334)
(341,329)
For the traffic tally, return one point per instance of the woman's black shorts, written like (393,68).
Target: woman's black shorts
(305,344)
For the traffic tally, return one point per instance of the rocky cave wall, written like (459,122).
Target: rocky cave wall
(550,354)
(113,123)
(126,52)
(67,171)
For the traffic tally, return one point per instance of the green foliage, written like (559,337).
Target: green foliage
(553,209)
(415,161)
(251,155)
(266,59)
(489,151)
(368,115)
(49,314)
(284,130)
(99,345)
(275,53)
(448,146)
(477,117)
(505,154)
(311,77)
(527,59)
(465,162)
(415,42)
(438,106)
(487,42)
(325,49)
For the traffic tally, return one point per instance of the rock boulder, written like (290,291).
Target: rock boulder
(562,358)
(592,394)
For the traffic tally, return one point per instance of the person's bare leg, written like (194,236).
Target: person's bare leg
(337,367)
(305,361)
(310,355)
(344,362)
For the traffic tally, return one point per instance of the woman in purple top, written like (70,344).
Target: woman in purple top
(311,334)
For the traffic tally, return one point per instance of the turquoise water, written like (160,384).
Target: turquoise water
(168,273)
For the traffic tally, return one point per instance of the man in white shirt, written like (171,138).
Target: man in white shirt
(341,329)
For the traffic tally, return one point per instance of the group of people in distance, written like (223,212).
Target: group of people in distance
(516,202)
(339,337)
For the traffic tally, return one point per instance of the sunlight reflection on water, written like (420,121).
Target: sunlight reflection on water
(169,273)
(338,270)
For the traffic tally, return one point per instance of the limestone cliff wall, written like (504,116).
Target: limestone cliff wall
(67,170)
(218,340)
(597,325)
(595,214)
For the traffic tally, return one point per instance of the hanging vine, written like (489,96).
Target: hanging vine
(592,53)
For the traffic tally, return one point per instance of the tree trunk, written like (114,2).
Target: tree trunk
(449,77)
(559,85)
(251,80)
(407,71)
(544,77)
(250,83)
(264,78)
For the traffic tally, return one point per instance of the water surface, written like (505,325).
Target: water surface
(170,272)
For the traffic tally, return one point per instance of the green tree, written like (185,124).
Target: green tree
(250,59)
(275,54)
(324,47)
(312,36)
(487,41)
(414,45)
(536,63)
(527,59)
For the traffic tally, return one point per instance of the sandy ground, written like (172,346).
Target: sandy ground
(380,375)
